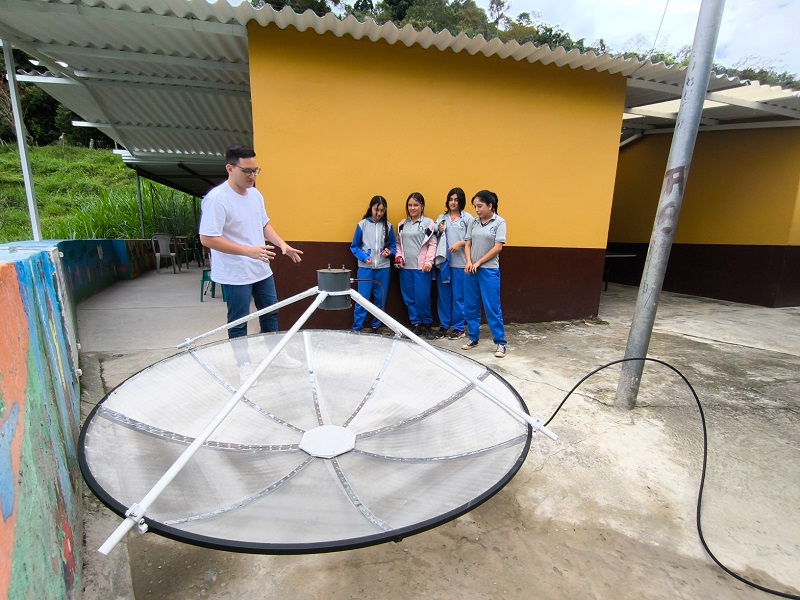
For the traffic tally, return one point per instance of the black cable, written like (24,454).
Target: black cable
(373,281)
(702,476)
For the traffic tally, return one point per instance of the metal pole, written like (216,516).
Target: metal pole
(139,197)
(669,205)
(19,127)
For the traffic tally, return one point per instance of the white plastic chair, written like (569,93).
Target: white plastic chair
(163,244)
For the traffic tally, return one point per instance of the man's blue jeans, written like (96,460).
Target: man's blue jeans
(238,299)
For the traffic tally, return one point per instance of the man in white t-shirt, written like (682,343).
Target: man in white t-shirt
(235,225)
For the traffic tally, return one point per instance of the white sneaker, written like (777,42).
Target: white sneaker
(285,361)
(245,372)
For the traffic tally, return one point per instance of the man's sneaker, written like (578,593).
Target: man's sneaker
(284,361)
(441,332)
(429,335)
(376,330)
(245,372)
(455,334)
(469,345)
(418,329)
(501,351)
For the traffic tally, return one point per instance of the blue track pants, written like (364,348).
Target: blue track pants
(415,286)
(444,298)
(483,288)
(372,292)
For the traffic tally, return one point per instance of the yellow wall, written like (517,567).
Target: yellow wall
(794,233)
(743,188)
(337,121)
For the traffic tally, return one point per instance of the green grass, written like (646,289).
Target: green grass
(86,194)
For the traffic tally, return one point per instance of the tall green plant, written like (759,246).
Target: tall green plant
(116,215)
(173,211)
(83,193)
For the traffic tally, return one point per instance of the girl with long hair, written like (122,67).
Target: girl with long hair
(451,229)
(373,246)
(416,251)
(485,238)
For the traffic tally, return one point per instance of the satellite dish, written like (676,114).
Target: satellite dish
(337,440)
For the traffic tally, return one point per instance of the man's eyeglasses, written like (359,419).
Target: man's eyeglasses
(255,171)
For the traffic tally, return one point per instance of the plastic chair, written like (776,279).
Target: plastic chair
(206,282)
(182,249)
(165,246)
(194,249)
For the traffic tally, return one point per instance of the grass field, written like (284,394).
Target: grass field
(86,194)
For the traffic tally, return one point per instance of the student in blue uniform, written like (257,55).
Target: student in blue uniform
(416,251)
(485,238)
(373,245)
(451,229)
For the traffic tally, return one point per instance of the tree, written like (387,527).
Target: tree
(436,14)
(398,9)
(520,29)
(472,19)
(320,7)
(497,10)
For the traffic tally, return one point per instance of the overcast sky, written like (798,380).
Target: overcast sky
(765,30)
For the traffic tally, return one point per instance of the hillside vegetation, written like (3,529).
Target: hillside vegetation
(86,194)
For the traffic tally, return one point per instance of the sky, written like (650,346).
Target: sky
(764,32)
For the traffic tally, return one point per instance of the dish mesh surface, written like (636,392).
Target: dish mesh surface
(429,445)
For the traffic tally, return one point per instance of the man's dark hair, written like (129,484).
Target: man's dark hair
(237,152)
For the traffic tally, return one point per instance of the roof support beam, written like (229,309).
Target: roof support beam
(648,112)
(169,157)
(159,128)
(756,106)
(716,96)
(731,126)
(59,50)
(229,89)
(46,80)
(168,81)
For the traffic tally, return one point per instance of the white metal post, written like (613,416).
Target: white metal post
(19,127)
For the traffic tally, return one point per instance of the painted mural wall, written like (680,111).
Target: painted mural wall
(41,530)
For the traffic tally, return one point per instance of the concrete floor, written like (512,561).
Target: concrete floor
(607,511)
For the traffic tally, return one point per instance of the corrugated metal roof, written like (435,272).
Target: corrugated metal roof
(169,79)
